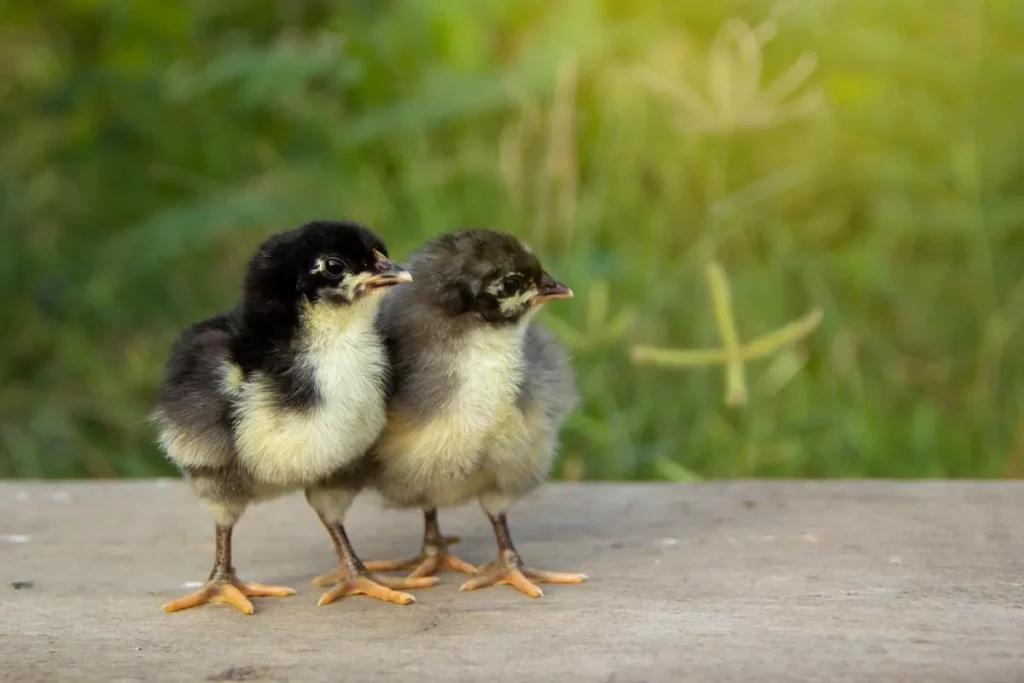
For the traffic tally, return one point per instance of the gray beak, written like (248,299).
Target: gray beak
(551,290)
(388,273)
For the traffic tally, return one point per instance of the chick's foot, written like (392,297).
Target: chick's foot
(352,578)
(510,571)
(434,557)
(229,591)
(341,574)
(362,583)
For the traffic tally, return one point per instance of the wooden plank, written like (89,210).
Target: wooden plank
(738,581)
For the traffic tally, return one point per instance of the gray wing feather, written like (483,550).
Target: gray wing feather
(193,416)
(549,379)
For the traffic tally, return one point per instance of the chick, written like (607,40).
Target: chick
(284,392)
(479,394)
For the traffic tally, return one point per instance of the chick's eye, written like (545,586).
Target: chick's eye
(334,267)
(513,284)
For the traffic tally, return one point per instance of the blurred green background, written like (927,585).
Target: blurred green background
(864,158)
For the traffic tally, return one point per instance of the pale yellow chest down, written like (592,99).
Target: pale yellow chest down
(293,448)
(478,441)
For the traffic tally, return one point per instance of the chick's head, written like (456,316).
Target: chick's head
(322,263)
(484,275)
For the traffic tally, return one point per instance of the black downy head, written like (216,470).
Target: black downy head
(320,263)
(485,274)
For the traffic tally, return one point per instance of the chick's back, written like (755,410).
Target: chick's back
(193,415)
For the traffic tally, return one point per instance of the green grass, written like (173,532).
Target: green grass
(148,147)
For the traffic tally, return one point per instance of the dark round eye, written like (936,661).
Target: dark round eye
(511,285)
(333,267)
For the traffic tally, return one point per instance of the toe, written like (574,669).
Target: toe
(193,600)
(515,578)
(427,567)
(554,577)
(459,565)
(329,579)
(397,597)
(331,595)
(407,583)
(390,565)
(373,589)
(262,590)
(229,594)
(479,582)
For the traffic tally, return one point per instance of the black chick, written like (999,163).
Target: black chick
(286,391)
(480,393)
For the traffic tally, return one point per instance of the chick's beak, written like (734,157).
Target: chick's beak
(550,290)
(387,273)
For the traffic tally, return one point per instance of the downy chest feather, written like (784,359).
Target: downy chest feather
(487,370)
(281,445)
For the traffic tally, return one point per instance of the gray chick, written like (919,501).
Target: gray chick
(286,391)
(479,395)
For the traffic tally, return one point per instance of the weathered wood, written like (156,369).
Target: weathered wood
(740,581)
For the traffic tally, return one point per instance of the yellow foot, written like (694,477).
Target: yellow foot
(512,573)
(376,587)
(339,575)
(230,592)
(431,560)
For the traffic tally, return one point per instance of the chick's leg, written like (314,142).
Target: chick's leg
(352,577)
(433,557)
(509,569)
(222,585)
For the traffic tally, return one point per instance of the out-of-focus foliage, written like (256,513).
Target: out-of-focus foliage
(861,157)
